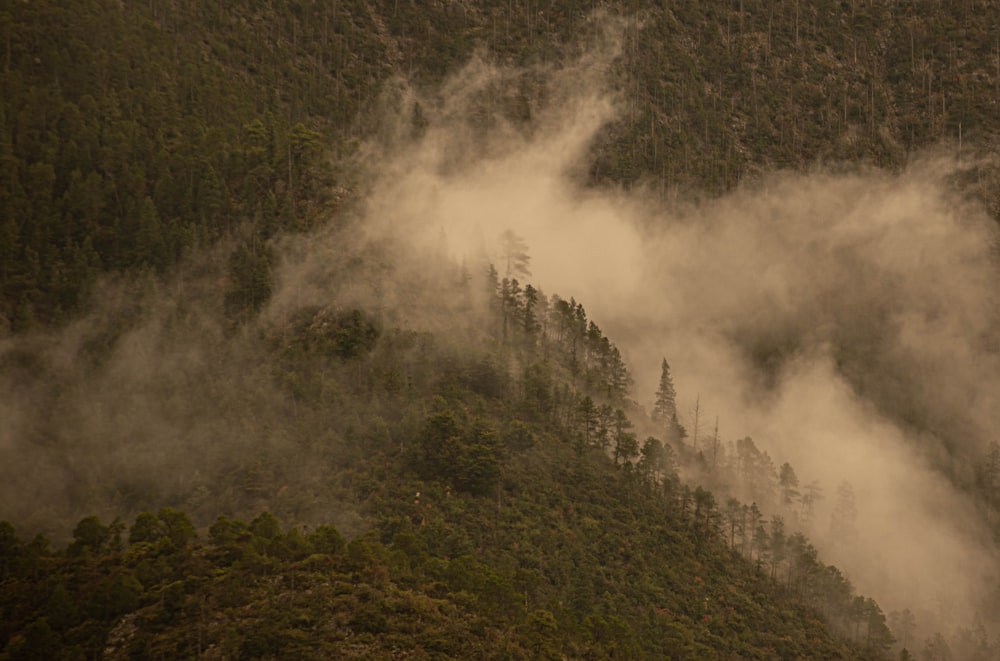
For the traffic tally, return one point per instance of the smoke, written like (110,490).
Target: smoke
(844,320)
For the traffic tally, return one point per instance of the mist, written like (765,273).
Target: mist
(845,321)
(844,318)
(154,400)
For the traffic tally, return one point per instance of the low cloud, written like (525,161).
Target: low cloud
(844,320)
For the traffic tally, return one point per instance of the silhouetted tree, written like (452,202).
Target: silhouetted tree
(665,408)
(844,514)
(89,534)
(651,460)
(515,255)
(789,483)
(625,444)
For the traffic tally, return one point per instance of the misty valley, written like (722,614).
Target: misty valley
(499,330)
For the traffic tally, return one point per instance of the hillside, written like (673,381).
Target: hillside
(134,132)
(505,515)
(293,413)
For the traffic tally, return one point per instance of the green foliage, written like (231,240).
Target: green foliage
(459,580)
(530,526)
(39,642)
(249,286)
(225,531)
(89,535)
(147,528)
(168,524)
(519,436)
(61,611)
(467,455)
(525,518)
(178,527)
(116,596)
(326,539)
(144,132)
(10,550)
(317,333)
(123,147)
(265,527)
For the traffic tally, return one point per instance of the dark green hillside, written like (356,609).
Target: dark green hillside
(566,560)
(390,455)
(507,510)
(133,132)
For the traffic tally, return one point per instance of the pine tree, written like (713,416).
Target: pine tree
(515,255)
(626,446)
(813,494)
(665,409)
(666,396)
(990,479)
(844,514)
(715,444)
(588,417)
(495,297)
(531,325)
(789,483)
(776,544)
(651,461)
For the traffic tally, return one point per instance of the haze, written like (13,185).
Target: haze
(845,321)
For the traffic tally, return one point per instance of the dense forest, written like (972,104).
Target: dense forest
(514,513)
(238,423)
(134,133)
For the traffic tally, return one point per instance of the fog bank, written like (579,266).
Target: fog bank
(844,320)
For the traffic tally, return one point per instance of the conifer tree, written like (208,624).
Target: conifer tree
(844,514)
(666,396)
(990,480)
(531,325)
(735,516)
(515,255)
(776,544)
(665,409)
(651,461)
(588,417)
(626,446)
(789,482)
(812,495)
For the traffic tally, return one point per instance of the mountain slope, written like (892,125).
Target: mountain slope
(195,120)
(498,500)
(193,317)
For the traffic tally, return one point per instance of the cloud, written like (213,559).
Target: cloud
(846,320)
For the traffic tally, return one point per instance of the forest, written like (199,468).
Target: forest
(243,414)
(516,516)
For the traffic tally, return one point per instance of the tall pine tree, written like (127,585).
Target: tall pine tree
(514,250)
(665,409)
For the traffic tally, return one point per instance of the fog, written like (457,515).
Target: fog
(153,400)
(843,319)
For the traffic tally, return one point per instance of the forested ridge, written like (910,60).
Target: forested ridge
(132,132)
(509,514)
(334,480)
